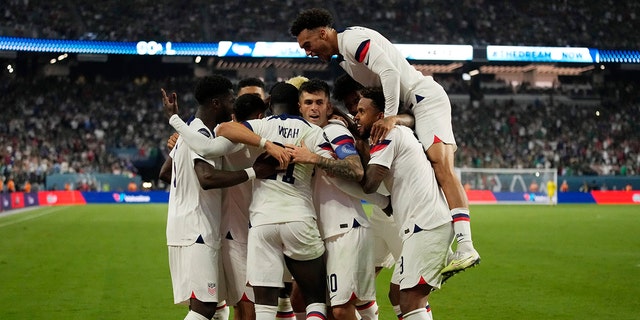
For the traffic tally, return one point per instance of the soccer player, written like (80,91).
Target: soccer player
(343,223)
(386,245)
(283,226)
(193,219)
(419,206)
(373,61)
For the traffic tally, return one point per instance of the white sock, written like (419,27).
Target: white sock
(222,311)
(316,311)
(285,310)
(368,311)
(398,312)
(265,312)
(462,227)
(429,314)
(418,314)
(192,315)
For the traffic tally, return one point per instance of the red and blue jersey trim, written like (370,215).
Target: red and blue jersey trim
(379,146)
(363,50)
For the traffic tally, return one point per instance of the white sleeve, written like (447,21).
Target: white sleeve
(383,152)
(202,145)
(374,57)
(381,65)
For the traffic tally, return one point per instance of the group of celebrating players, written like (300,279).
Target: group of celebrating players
(257,201)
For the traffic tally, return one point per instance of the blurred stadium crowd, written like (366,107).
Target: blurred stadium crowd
(607,24)
(63,124)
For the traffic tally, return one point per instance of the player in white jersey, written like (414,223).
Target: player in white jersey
(194,213)
(343,223)
(235,203)
(420,208)
(283,226)
(386,245)
(374,61)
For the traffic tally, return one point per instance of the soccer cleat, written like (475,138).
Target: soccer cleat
(460,261)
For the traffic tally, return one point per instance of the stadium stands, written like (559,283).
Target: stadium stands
(91,124)
(609,24)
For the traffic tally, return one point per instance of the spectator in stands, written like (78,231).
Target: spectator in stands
(132,187)
(11,185)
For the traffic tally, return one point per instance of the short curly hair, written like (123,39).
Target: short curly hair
(376,95)
(212,87)
(311,19)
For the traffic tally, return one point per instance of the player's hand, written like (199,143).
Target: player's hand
(169,103)
(302,154)
(279,153)
(171,142)
(265,166)
(381,127)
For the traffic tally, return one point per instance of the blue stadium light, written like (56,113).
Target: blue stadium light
(540,54)
(264,49)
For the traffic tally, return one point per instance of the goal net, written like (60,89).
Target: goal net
(526,186)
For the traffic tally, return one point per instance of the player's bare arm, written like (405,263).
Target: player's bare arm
(348,168)
(381,128)
(165,171)
(238,133)
(374,175)
(212,178)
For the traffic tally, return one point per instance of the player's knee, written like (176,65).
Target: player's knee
(343,312)
(206,309)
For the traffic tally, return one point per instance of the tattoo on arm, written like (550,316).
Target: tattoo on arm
(349,168)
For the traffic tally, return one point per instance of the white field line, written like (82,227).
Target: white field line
(29,217)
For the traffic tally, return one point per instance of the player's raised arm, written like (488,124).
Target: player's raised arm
(238,133)
(201,144)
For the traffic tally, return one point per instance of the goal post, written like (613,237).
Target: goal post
(523,186)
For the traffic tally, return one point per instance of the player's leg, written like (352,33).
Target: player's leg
(194,274)
(239,295)
(350,276)
(297,302)
(285,307)
(423,255)
(303,251)
(433,128)
(264,248)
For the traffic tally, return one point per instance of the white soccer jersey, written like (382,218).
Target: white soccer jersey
(236,199)
(287,195)
(338,211)
(373,61)
(193,212)
(417,200)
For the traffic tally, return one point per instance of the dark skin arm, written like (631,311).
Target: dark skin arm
(165,171)
(374,174)
(212,178)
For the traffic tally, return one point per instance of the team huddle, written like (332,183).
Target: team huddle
(265,210)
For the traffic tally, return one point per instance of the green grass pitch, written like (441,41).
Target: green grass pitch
(538,262)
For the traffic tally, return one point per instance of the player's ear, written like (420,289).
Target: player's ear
(380,115)
(329,109)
